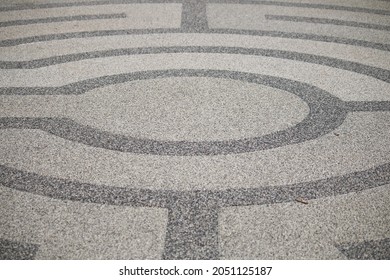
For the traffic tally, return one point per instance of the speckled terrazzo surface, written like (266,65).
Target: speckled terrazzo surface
(168,129)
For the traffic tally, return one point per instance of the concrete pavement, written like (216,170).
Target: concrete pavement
(168,129)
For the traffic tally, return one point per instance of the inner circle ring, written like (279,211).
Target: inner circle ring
(326,113)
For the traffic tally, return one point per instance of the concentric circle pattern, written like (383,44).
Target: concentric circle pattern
(168,129)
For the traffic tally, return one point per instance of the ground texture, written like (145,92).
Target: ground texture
(220,129)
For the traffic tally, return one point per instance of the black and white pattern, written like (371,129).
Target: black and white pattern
(167,129)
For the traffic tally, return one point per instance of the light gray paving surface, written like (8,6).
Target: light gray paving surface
(299,231)
(171,129)
(74,230)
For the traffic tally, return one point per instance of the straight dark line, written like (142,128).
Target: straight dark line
(61,19)
(27,6)
(352,182)
(194,16)
(302,36)
(84,34)
(304,5)
(370,106)
(328,21)
(371,71)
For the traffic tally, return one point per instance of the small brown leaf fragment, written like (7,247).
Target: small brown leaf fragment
(301,200)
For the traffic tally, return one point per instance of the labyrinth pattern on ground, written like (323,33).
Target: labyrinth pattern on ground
(167,129)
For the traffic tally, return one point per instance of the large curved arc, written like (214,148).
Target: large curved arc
(63,189)
(265,33)
(375,72)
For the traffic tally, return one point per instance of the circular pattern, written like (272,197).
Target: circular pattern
(326,113)
(190,109)
(193,214)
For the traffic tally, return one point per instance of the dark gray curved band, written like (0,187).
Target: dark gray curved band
(121,32)
(139,197)
(328,21)
(326,113)
(375,72)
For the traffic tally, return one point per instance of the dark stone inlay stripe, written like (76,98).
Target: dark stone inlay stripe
(304,5)
(64,189)
(12,250)
(192,225)
(338,185)
(367,250)
(277,34)
(84,34)
(326,113)
(31,6)
(194,17)
(76,191)
(375,72)
(328,21)
(61,19)
(356,106)
(302,36)
(192,228)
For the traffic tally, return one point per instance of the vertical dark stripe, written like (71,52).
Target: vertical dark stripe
(194,16)
(192,232)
